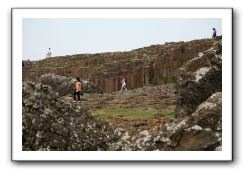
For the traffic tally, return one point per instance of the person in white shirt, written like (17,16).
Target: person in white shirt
(49,53)
(123,84)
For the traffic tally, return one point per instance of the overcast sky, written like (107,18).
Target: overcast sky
(76,36)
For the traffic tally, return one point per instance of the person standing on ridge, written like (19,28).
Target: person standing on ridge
(123,84)
(49,53)
(77,89)
(214,33)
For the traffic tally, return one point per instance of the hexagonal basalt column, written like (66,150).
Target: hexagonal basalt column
(146,75)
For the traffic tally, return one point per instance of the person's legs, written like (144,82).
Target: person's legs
(74,95)
(78,95)
(123,87)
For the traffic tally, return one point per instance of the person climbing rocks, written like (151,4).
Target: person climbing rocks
(49,53)
(214,33)
(77,89)
(123,84)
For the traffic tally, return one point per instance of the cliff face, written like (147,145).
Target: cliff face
(140,67)
(198,79)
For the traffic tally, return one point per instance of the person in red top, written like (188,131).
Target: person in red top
(77,89)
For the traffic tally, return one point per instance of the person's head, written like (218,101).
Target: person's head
(49,48)
(214,29)
(78,79)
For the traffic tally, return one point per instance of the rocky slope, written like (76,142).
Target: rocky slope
(52,123)
(198,79)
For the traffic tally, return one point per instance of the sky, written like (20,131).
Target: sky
(91,35)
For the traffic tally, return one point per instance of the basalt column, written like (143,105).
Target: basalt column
(139,77)
(156,74)
(105,77)
(146,75)
(115,83)
(110,83)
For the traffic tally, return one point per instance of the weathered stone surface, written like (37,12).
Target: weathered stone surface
(209,113)
(65,85)
(52,123)
(198,79)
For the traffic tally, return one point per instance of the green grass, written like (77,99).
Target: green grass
(169,113)
(130,113)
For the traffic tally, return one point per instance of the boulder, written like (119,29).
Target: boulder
(55,124)
(209,113)
(65,85)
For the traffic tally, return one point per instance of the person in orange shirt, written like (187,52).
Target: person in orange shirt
(77,89)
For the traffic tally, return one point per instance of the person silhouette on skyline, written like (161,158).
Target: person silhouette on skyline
(214,33)
(49,53)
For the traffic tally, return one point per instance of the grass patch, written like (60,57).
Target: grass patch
(123,112)
(130,113)
(169,113)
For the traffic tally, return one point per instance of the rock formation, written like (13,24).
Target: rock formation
(65,85)
(52,123)
(140,67)
(198,79)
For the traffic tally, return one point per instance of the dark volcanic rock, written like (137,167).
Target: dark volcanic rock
(52,123)
(198,79)
(65,85)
